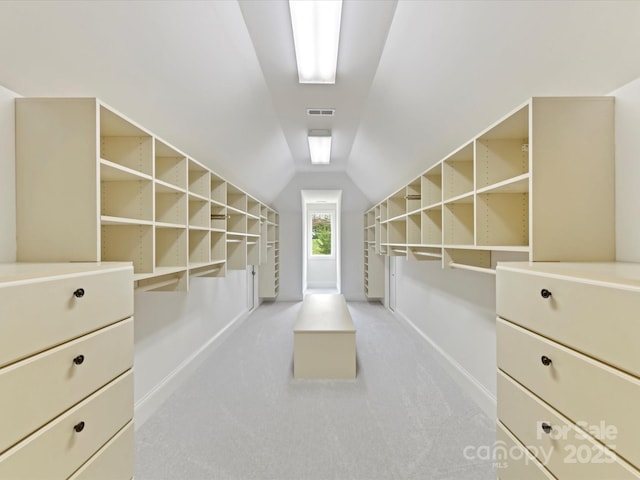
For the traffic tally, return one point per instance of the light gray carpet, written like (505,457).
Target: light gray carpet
(243,417)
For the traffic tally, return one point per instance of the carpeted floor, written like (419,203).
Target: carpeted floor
(243,417)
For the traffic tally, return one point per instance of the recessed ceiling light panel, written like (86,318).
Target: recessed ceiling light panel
(320,147)
(316,35)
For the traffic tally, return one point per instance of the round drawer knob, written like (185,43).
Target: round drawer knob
(545,293)
(78,427)
(78,360)
(546,428)
(546,361)
(79,293)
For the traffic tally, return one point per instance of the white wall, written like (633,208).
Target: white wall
(7,176)
(455,310)
(288,204)
(170,328)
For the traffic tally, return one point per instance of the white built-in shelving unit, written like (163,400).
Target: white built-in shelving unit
(538,185)
(95,186)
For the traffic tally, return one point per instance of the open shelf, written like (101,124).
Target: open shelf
(502,219)
(414,233)
(431,186)
(128,243)
(171,166)
(218,217)
(218,246)
(236,222)
(413,195)
(458,223)
(124,143)
(199,180)
(396,205)
(236,198)
(171,247)
(199,213)
(431,226)
(199,247)
(112,172)
(236,252)
(457,173)
(127,199)
(397,233)
(171,207)
(502,152)
(218,190)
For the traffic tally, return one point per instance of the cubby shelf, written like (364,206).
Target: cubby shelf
(129,196)
(502,196)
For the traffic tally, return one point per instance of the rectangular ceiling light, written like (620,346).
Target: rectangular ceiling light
(320,147)
(316,34)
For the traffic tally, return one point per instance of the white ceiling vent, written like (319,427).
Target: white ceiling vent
(321,112)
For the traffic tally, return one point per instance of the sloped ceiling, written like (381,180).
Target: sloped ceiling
(416,79)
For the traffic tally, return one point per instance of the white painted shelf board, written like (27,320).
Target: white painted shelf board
(519,184)
(196,227)
(195,196)
(464,198)
(236,210)
(111,171)
(433,206)
(170,225)
(108,220)
(164,187)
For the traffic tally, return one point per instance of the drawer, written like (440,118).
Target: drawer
(41,313)
(566,451)
(114,461)
(57,450)
(516,462)
(579,387)
(595,319)
(47,384)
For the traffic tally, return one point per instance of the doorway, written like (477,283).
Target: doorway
(321,241)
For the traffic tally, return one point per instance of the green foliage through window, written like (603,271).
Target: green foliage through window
(321,234)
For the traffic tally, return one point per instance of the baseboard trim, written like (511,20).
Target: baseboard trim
(480,395)
(149,404)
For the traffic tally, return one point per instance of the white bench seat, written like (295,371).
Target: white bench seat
(324,339)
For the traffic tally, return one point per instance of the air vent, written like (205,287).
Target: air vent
(321,112)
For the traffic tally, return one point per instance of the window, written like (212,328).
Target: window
(321,224)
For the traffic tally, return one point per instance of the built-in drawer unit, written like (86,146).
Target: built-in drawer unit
(555,440)
(113,461)
(62,446)
(68,373)
(568,367)
(513,461)
(597,318)
(42,312)
(66,350)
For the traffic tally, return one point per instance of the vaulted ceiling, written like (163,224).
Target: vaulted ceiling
(416,79)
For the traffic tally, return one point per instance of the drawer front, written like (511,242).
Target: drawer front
(41,314)
(597,320)
(47,384)
(579,387)
(518,463)
(114,461)
(565,451)
(57,450)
